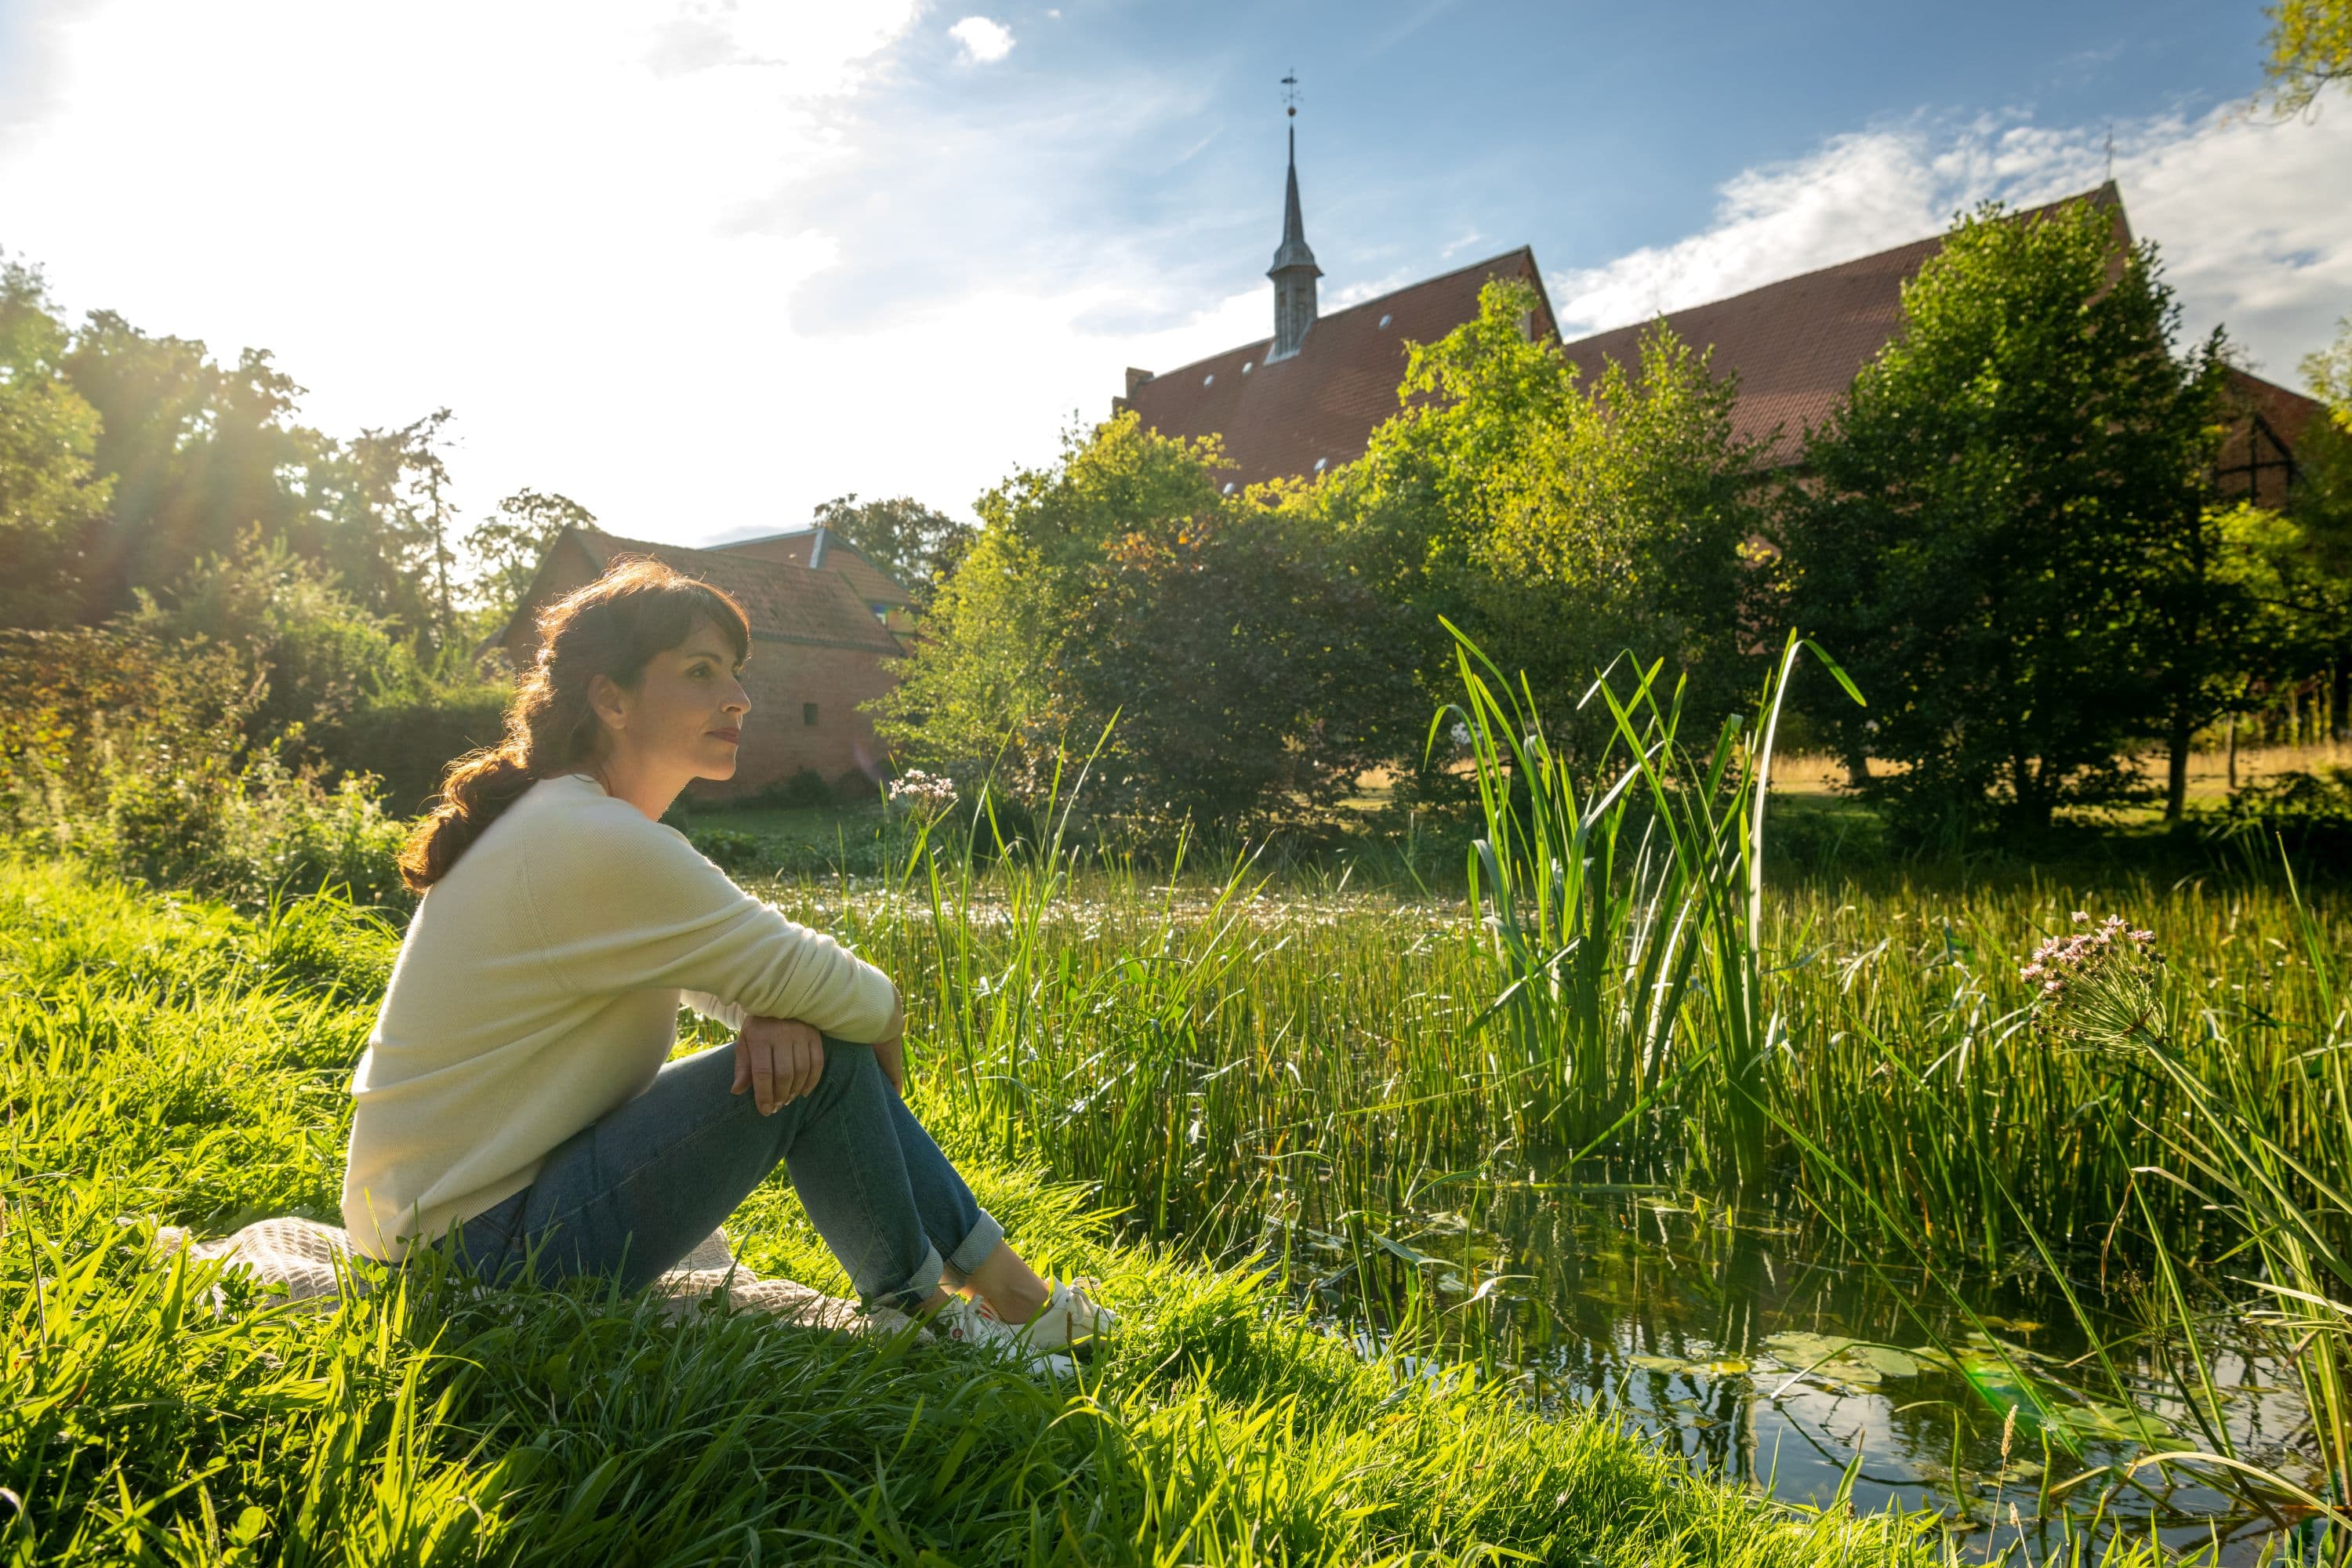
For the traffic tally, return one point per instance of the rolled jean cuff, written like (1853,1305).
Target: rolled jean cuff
(975,1248)
(914,1292)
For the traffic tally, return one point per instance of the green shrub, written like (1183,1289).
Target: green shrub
(248,836)
(409,743)
(313,656)
(2309,812)
(131,754)
(729,848)
(801,791)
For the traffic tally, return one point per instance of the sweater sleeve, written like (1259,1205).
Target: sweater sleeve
(628,905)
(711,1007)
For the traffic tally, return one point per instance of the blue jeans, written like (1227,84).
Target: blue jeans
(628,1197)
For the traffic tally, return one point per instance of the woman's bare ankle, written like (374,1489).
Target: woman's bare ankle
(1012,1289)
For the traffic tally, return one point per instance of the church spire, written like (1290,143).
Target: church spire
(1293,270)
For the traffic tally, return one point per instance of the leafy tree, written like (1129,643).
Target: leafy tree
(361,529)
(1244,668)
(508,546)
(2314,555)
(1250,675)
(1999,533)
(1561,523)
(416,519)
(988,673)
(980,686)
(196,458)
(198,454)
(2327,373)
(2298,572)
(919,547)
(2310,44)
(51,494)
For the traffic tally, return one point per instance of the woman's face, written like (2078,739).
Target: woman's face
(686,716)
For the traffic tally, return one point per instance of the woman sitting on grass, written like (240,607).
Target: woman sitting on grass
(514,1099)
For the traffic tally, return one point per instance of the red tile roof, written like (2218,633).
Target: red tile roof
(1797,344)
(868,580)
(785,603)
(1325,400)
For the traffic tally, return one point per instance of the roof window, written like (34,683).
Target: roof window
(1386,320)
(1229,486)
(1247,364)
(1208,378)
(1319,462)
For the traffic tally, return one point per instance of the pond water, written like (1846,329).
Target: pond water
(1766,1356)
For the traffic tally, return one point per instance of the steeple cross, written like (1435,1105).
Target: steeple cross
(1290,93)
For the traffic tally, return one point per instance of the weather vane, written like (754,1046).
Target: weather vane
(1290,93)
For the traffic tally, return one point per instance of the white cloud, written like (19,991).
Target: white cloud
(2254,220)
(563,221)
(983,41)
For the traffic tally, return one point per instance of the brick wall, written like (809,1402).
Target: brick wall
(778,740)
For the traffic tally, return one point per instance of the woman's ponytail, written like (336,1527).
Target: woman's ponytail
(476,788)
(612,627)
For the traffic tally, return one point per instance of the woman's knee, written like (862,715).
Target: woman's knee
(848,1065)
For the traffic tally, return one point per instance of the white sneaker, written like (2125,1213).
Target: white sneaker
(963,1320)
(1070,1317)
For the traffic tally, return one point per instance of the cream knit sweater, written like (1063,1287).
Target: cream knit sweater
(537,989)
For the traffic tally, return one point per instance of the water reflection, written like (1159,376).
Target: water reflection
(1765,1356)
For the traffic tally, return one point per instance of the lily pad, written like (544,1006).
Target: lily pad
(2110,1423)
(1838,1359)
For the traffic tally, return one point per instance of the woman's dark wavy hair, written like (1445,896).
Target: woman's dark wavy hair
(612,627)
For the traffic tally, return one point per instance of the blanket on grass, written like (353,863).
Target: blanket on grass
(311,1262)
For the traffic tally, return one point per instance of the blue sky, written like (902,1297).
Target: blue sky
(703,263)
(1587,130)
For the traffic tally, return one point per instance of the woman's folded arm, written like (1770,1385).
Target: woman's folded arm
(647,912)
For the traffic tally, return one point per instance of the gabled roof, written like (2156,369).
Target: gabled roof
(1797,344)
(2285,411)
(868,580)
(1325,400)
(785,603)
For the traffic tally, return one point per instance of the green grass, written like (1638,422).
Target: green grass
(170,1058)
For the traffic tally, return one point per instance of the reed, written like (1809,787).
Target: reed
(1245,1063)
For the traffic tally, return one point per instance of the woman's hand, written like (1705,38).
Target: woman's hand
(890,1052)
(778,1059)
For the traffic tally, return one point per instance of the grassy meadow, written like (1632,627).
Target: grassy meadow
(1277,1115)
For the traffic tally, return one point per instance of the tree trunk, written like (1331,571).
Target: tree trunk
(2176,772)
(2037,798)
(2234,753)
(2339,698)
